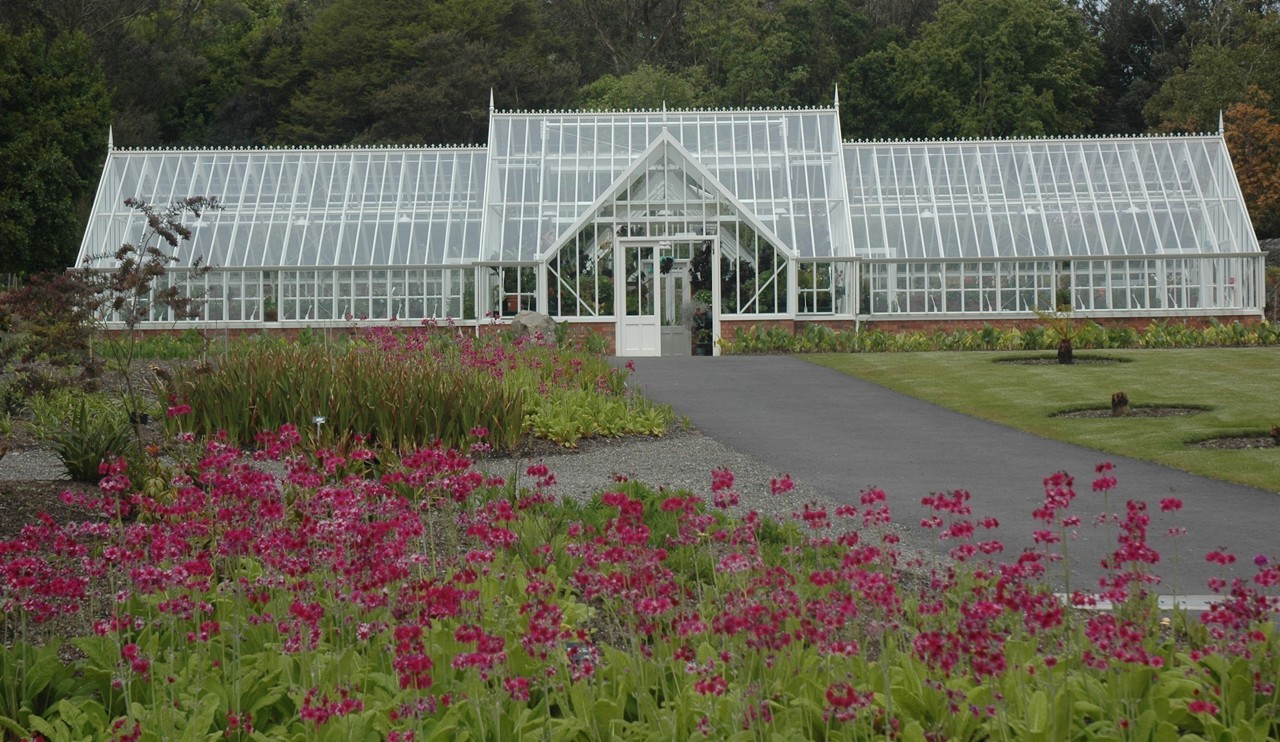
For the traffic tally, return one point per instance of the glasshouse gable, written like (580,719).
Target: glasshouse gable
(666,228)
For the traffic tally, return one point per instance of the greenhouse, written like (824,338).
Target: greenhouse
(668,229)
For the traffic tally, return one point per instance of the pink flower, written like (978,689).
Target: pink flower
(518,688)
(1220,557)
(721,479)
(1201,706)
(1170,504)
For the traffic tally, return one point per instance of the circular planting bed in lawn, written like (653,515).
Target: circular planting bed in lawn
(1134,411)
(1052,360)
(1237,442)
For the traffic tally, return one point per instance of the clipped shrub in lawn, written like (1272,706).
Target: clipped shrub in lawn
(411,387)
(430,601)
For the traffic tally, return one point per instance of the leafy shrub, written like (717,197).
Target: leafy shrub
(569,415)
(47,318)
(1087,334)
(189,345)
(1035,338)
(25,382)
(83,429)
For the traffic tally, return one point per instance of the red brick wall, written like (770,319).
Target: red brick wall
(605,329)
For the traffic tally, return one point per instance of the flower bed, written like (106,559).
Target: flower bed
(358,598)
(407,388)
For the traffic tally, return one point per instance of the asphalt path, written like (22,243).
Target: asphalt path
(841,435)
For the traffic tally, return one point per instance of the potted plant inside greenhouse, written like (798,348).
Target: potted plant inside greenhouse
(698,317)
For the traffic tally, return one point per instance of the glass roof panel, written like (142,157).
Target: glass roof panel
(1040,198)
(307,207)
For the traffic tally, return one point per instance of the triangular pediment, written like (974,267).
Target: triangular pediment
(683,179)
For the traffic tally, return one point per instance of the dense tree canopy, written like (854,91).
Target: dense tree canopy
(787,53)
(646,87)
(614,37)
(1141,43)
(407,71)
(998,68)
(1253,136)
(1233,48)
(54,112)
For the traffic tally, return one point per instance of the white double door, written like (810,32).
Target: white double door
(647,298)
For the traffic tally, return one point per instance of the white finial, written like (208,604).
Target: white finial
(837,96)
(490,101)
(111,141)
(1221,128)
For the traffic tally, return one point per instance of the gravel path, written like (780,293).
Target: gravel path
(31,464)
(680,461)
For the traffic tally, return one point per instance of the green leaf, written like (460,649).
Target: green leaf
(913,732)
(14,727)
(39,725)
(1145,724)
(101,651)
(199,721)
(1038,713)
(605,711)
(1165,732)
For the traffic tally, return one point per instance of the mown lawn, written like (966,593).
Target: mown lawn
(1238,385)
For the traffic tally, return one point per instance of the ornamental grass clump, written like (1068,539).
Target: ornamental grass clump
(422,599)
(398,401)
(83,430)
(403,389)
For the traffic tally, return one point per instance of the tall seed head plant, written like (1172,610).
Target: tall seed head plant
(128,293)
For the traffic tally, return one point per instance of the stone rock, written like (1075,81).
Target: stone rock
(532,323)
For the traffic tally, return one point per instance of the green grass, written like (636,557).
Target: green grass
(1237,384)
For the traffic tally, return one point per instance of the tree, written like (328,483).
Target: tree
(197,55)
(759,53)
(54,113)
(646,87)
(617,36)
(869,106)
(900,15)
(1141,45)
(406,71)
(997,68)
(268,76)
(1231,50)
(1253,137)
